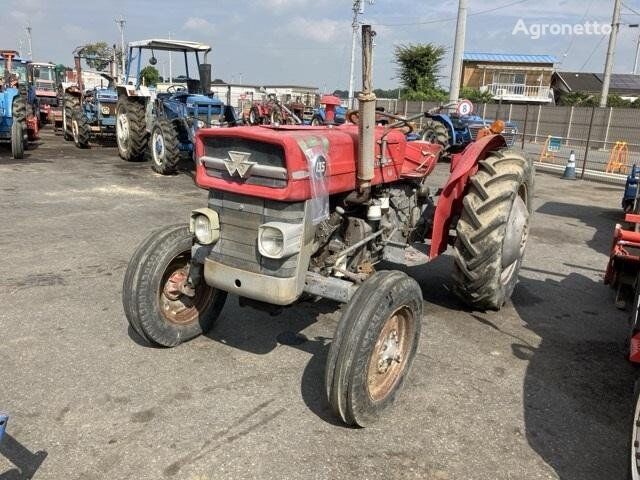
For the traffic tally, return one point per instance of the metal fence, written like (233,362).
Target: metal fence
(603,139)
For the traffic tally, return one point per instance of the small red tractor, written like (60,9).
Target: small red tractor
(272,112)
(45,78)
(298,212)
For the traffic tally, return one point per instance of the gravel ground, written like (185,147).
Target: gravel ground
(539,390)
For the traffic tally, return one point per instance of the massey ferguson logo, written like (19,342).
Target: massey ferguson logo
(238,163)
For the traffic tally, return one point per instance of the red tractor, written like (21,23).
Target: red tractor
(272,112)
(299,212)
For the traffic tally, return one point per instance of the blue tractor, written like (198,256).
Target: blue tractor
(162,125)
(91,112)
(14,93)
(455,132)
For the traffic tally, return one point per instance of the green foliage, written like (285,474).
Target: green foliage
(418,67)
(476,96)
(381,93)
(341,93)
(98,55)
(149,75)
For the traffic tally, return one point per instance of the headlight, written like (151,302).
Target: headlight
(202,230)
(200,124)
(279,240)
(270,242)
(205,226)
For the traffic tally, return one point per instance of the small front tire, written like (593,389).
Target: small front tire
(17,140)
(156,295)
(373,348)
(164,147)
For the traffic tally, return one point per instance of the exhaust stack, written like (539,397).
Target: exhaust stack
(366,113)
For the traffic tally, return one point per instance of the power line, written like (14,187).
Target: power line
(635,12)
(451,19)
(573,37)
(593,52)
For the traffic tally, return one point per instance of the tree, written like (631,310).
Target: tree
(98,55)
(149,75)
(418,68)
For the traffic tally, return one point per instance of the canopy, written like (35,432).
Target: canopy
(171,45)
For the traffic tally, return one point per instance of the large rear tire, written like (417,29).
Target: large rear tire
(80,129)
(70,104)
(436,132)
(131,130)
(165,152)
(373,348)
(493,230)
(153,291)
(17,140)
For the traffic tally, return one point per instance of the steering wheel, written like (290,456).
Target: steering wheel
(402,123)
(175,89)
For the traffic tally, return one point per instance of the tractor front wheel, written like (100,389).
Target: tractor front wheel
(165,152)
(492,231)
(131,130)
(436,132)
(17,140)
(373,348)
(317,121)
(80,129)
(159,301)
(254,116)
(70,105)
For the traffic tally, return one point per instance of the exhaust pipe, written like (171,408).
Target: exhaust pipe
(366,113)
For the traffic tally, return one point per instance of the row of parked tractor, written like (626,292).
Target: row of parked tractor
(161,125)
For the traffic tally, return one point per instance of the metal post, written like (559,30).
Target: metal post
(608,66)
(570,124)
(635,63)
(422,111)
(606,133)
(358,9)
(586,148)
(510,111)
(121,22)
(29,29)
(458,50)
(535,138)
(406,106)
(524,130)
(367,113)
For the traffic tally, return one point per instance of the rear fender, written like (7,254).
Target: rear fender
(463,166)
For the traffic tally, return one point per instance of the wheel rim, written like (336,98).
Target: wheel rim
(158,148)
(74,129)
(122,131)
(181,304)
(252,117)
(390,353)
(515,239)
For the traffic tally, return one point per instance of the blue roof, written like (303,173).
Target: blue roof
(508,58)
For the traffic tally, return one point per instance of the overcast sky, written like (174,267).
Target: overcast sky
(308,41)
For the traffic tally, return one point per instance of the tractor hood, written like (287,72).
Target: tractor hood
(202,100)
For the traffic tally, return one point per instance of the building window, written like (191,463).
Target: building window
(510,78)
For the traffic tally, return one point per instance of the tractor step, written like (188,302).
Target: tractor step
(408,255)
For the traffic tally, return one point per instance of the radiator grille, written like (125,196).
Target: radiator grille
(240,217)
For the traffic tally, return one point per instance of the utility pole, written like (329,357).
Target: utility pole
(358,9)
(170,64)
(28,29)
(458,51)
(608,66)
(635,63)
(121,22)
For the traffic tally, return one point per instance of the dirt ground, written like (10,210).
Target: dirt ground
(540,390)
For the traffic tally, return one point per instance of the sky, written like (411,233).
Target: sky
(308,42)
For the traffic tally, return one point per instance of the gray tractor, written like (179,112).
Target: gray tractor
(162,125)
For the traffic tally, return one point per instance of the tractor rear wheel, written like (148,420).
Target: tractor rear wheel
(131,129)
(436,132)
(70,105)
(373,347)
(492,231)
(158,300)
(165,152)
(17,140)
(316,121)
(80,129)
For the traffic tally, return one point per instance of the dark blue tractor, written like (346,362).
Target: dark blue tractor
(162,125)
(320,116)
(89,113)
(15,96)
(455,132)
